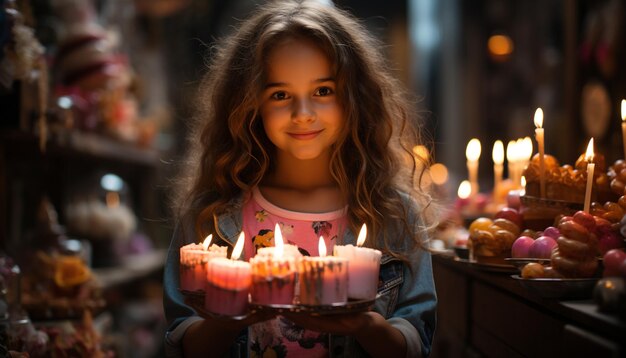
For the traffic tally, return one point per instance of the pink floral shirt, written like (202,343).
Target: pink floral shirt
(280,337)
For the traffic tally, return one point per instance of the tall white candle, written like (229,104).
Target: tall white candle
(590,170)
(472,153)
(540,144)
(510,158)
(497,155)
(624,125)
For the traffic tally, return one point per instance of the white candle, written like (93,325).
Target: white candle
(323,279)
(472,153)
(274,276)
(510,157)
(497,154)
(228,283)
(193,263)
(363,268)
(540,144)
(624,125)
(590,169)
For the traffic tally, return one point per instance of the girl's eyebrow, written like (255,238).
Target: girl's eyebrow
(281,84)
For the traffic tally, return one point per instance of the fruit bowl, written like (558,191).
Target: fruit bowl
(559,288)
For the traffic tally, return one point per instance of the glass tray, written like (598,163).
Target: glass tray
(352,306)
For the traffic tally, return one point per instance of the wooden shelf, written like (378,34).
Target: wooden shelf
(132,268)
(81,144)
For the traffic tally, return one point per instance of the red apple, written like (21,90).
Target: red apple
(511,215)
(610,240)
(542,247)
(521,246)
(552,232)
(585,219)
(613,259)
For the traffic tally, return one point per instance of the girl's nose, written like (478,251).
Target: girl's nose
(303,110)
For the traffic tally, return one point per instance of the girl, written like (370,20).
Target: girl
(303,126)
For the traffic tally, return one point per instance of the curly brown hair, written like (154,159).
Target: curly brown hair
(371,162)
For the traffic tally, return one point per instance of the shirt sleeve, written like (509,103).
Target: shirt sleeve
(415,312)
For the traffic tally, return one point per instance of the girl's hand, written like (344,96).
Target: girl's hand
(350,324)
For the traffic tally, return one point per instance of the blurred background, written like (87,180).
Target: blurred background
(95,97)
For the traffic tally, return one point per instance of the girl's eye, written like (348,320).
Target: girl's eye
(280,95)
(324,91)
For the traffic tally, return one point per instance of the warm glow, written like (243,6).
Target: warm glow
(523,182)
(238,247)
(500,45)
(465,189)
(112,199)
(321,247)
(439,173)
(279,244)
(538,118)
(207,242)
(527,148)
(497,153)
(589,152)
(421,152)
(510,151)
(472,152)
(624,109)
(362,236)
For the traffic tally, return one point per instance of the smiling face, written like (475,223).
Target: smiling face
(301,113)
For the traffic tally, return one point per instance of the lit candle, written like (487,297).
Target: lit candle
(526,155)
(193,263)
(274,276)
(323,279)
(624,125)
(540,144)
(472,153)
(228,283)
(497,154)
(363,268)
(510,158)
(590,169)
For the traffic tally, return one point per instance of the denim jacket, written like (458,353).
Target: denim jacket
(406,299)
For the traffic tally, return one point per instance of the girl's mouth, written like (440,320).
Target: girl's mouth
(305,135)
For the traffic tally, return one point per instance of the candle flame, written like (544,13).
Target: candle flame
(523,183)
(439,173)
(497,153)
(624,110)
(538,118)
(322,247)
(472,152)
(589,152)
(527,148)
(207,242)
(510,151)
(362,235)
(238,247)
(465,189)
(279,244)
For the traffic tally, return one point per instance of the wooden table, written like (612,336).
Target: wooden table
(488,314)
